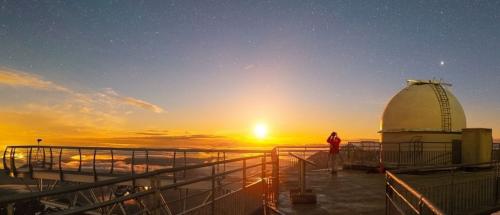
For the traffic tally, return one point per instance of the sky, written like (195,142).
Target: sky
(198,73)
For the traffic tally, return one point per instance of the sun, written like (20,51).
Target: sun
(260,130)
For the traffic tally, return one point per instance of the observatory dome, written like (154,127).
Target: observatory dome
(423,106)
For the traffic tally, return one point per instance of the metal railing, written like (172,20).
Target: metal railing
(362,153)
(450,189)
(411,154)
(401,198)
(241,190)
(495,151)
(106,161)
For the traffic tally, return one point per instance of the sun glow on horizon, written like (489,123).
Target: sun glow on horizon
(260,130)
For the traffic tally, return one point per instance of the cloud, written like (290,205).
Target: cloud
(109,97)
(110,93)
(22,79)
(249,67)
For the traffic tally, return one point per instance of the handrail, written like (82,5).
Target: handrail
(145,149)
(10,199)
(443,167)
(303,159)
(422,199)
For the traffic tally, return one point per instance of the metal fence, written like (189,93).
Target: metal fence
(107,161)
(401,198)
(410,154)
(362,153)
(154,192)
(495,151)
(453,189)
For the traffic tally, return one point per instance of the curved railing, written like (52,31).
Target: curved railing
(108,196)
(450,189)
(100,161)
(401,198)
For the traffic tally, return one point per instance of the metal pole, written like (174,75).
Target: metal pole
(224,158)
(13,162)
(451,194)
(244,182)
(43,160)
(302,176)
(399,154)
(218,165)
(185,161)
(212,198)
(4,158)
(147,161)
(132,170)
(93,166)
(60,164)
(30,164)
(112,162)
(264,183)
(51,158)
(173,166)
(80,155)
(244,179)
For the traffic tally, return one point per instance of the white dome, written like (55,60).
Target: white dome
(423,106)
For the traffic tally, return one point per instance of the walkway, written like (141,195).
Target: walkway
(350,192)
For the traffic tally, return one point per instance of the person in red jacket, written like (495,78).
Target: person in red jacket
(334,142)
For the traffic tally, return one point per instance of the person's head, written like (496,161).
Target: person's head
(334,134)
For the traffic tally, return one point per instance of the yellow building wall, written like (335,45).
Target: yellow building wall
(476,145)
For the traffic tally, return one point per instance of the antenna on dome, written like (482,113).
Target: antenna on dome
(422,82)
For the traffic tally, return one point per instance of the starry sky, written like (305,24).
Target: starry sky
(182,72)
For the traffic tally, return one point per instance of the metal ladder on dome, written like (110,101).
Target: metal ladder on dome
(444,103)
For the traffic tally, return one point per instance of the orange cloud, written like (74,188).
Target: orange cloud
(111,94)
(22,79)
(16,78)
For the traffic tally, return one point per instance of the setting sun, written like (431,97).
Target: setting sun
(260,130)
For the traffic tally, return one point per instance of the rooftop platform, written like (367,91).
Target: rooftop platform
(348,192)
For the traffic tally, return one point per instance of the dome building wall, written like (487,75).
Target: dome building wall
(424,116)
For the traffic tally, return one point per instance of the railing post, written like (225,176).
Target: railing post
(93,165)
(495,177)
(51,158)
(173,166)
(60,165)
(451,193)
(264,183)
(386,193)
(185,162)
(275,171)
(212,198)
(420,205)
(80,161)
(302,172)
(10,209)
(224,158)
(218,165)
(30,164)
(112,162)
(43,160)
(147,161)
(4,159)
(13,170)
(399,155)
(244,179)
(132,170)
(132,166)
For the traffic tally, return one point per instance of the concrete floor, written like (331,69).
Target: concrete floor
(349,192)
